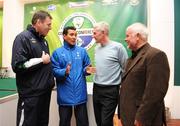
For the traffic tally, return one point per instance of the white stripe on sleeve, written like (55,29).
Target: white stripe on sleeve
(32,62)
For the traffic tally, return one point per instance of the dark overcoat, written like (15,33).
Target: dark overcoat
(143,88)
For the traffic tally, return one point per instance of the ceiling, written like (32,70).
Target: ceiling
(24,1)
(33,1)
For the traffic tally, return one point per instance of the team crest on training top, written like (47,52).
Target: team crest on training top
(84,26)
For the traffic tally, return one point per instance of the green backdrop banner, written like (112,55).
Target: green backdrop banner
(177,43)
(1,23)
(83,14)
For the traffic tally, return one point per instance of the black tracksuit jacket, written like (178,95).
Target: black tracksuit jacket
(35,80)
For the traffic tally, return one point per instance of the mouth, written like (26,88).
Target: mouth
(73,41)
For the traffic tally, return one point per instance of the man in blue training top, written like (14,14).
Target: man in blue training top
(71,64)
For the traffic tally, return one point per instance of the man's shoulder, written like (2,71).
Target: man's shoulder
(115,43)
(59,49)
(23,36)
(153,52)
(24,33)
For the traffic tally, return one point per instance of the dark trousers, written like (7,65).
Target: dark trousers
(105,100)
(33,111)
(80,111)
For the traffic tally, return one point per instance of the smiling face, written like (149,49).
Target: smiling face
(70,37)
(131,39)
(136,36)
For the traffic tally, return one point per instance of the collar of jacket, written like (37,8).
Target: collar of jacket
(33,30)
(134,53)
(68,46)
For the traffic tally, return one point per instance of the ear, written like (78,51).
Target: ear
(38,21)
(64,36)
(138,35)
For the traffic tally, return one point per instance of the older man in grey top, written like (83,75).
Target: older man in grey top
(110,60)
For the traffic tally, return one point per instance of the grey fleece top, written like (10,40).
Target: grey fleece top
(110,60)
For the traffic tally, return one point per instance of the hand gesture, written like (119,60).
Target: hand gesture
(120,123)
(45,57)
(68,68)
(90,69)
(137,123)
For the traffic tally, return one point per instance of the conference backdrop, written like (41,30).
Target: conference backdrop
(83,14)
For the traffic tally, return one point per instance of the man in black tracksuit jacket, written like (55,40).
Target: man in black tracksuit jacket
(34,78)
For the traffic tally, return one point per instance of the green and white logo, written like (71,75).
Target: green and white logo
(84,26)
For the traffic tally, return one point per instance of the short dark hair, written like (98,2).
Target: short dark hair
(41,14)
(65,30)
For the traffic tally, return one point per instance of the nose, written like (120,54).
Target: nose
(74,36)
(125,39)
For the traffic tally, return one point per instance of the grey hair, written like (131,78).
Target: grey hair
(102,26)
(139,28)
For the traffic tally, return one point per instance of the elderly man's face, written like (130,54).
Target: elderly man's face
(131,39)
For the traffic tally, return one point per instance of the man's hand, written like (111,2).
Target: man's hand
(137,123)
(68,68)
(119,122)
(90,69)
(45,57)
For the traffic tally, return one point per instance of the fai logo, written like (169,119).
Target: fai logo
(78,22)
(84,26)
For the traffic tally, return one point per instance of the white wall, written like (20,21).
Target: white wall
(13,18)
(161,24)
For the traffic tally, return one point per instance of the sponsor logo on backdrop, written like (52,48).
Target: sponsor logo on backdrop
(134,2)
(83,23)
(51,7)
